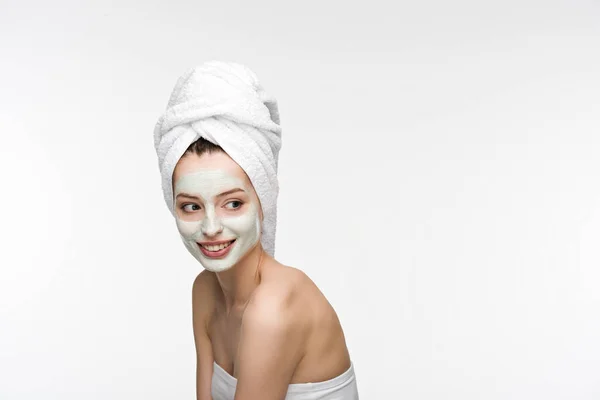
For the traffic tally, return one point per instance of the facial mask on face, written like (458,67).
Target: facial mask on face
(241,225)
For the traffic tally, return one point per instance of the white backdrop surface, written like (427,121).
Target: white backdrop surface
(440,182)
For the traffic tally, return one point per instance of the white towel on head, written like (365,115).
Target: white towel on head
(224,103)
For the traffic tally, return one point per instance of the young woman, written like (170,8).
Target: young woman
(263,330)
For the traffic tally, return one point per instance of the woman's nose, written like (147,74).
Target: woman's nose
(211,225)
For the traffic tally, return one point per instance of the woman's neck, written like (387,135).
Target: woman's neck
(239,282)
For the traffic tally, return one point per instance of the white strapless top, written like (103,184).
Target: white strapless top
(342,387)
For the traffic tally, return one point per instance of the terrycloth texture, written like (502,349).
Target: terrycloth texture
(224,103)
(342,387)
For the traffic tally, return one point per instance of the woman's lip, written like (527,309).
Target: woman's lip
(217,254)
(215,243)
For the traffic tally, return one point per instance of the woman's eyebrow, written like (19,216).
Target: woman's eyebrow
(230,192)
(188,195)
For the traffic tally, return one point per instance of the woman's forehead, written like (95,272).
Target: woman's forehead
(208,166)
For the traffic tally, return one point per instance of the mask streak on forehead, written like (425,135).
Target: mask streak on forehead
(207,183)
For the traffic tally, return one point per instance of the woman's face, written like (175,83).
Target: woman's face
(215,202)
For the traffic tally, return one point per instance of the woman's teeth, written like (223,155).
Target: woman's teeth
(217,247)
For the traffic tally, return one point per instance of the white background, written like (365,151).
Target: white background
(440,182)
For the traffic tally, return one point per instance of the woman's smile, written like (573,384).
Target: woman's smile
(216,251)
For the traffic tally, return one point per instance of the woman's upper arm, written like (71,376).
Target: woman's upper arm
(270,348)
(201,307)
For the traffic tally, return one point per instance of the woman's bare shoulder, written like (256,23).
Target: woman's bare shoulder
(284,280)
(294,288)
(323,346)
(203,293)
(204,282)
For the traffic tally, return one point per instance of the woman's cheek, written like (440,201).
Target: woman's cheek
(243,223)
(188,228)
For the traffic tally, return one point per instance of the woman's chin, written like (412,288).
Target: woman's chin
(219,269)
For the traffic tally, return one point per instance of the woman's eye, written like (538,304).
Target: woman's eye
(239,204)
(183,207)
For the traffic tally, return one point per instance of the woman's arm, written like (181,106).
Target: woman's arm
(271,346)
(201,306)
